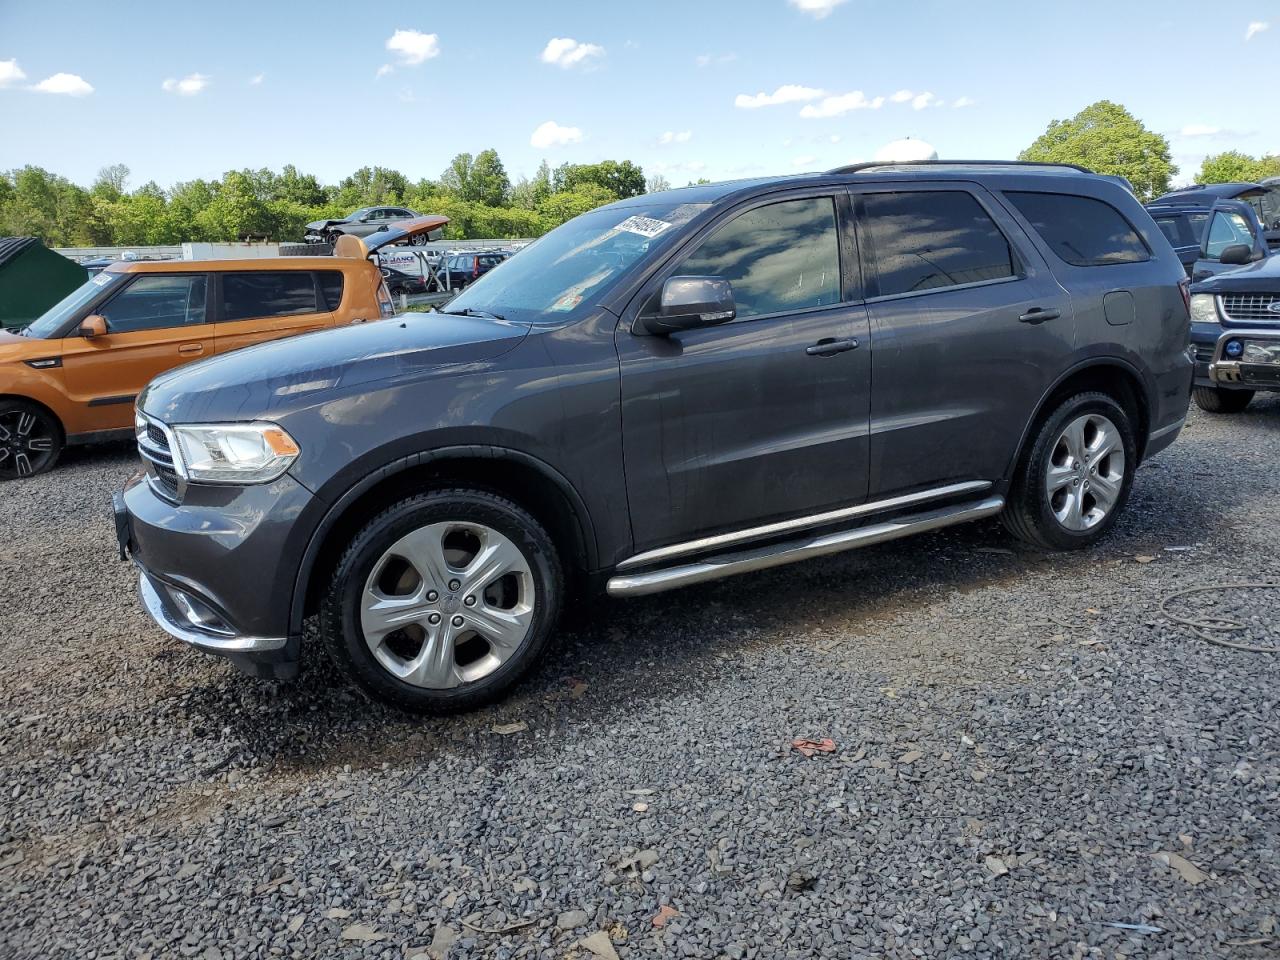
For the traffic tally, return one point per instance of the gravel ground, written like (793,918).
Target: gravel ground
(1026,754)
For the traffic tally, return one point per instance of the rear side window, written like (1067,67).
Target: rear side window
(247,296)
(779,258)
(1178,231)
(932,239)
(331,288)
(1081,230)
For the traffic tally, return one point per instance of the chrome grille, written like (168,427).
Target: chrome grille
(1251,306)
(153,446)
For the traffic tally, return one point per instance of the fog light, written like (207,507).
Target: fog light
(198,614)
(1233,349)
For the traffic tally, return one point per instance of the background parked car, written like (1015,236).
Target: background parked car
(1184,227)
(1263,197)
(399,282)
(460,269)
(1232,238)
(361,223)
(1235,329)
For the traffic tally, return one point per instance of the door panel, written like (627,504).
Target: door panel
(735,425)
(256,306)
(957,371)
(153,325)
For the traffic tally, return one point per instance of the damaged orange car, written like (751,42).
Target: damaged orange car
(71,376)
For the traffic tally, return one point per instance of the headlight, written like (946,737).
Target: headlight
(1203,309)
(233,452)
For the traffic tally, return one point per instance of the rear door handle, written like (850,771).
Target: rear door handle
(830,347)
(190,349)
(1040,315)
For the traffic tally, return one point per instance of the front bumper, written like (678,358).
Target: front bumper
(1255,367)
(215,571)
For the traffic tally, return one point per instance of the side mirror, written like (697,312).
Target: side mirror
(1236,255)
(92,326)
(691,302)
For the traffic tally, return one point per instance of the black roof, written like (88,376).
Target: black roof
(10,247)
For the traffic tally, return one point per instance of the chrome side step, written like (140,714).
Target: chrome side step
(775,555)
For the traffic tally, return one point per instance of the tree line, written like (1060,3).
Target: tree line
(473,191)
(476,193)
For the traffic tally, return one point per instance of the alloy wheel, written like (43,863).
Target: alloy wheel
(1085,475)
(26,442)
(447,604)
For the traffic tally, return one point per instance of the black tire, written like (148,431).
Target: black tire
(333,236)
(1029,515)
(340,613)
(1217,400)
(31,439)
(418,240)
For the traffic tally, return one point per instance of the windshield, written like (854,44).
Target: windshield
(52,320)
(575,263)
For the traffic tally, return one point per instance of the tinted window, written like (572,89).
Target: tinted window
(938,238)
(1081,230)
(1178,231)
(331,288)
(779,258)
(262,294)
(1226,230)
(157,301)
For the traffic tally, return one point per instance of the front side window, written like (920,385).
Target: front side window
(1227,229)
(248,296)
(779,258)
(926,240)
(156,302)
(1081,230)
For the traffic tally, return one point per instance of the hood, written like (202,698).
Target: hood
(14,347)
(321,224)
(271,379)
(1261,276)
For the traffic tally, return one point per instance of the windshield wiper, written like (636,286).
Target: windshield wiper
(468,312)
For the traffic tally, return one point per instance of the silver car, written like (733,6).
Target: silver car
(361,223)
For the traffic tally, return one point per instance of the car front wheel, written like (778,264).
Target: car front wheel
(30,439)
(1075,479)
(444,601)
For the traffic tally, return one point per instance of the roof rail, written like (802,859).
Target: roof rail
(870,165)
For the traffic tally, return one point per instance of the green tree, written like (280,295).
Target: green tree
(528,193)
(1236,167)
(235,212)
(621,178)
(566,204)
(1107,138)
(111,182)
(656,184)
(488,183)
(300,188)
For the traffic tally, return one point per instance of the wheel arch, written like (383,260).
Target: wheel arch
(529,481)
(1113,376)
(21,398)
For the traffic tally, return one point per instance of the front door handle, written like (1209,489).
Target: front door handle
(830,347)
(190,349)
(1040,315)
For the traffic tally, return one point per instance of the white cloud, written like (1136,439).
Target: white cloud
(787,93)
(707,59)
(551,134)
(565,52)
(1255,28)
(921,100)
(816,8)
(807,160)
(676,136)
(1199,130)
(10,73)
(256,79)
(902,96)
(188,86)
(841,104)
(65,83)
(963,102)
(413,46)
(835,138)
(384,70)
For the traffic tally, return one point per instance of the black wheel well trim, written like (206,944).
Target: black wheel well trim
(1090,363)
(335,511)
(62,428)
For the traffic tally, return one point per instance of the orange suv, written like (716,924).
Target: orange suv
(71,376)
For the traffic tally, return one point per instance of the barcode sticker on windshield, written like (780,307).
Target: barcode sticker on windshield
(102,279)
(645,226)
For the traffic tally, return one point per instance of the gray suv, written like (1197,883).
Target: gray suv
(667,390)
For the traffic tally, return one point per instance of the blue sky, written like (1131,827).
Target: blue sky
(689,89)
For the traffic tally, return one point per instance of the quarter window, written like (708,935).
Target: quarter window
(928,240)
(331,288)
(248,296)
(780,258)
(1081,230)
(156,302)
(1227,229)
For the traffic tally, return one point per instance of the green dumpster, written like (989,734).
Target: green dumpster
(32,279)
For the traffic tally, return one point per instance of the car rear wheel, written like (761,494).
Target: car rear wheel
(418,240)
(30,439)
(1076,477)
(1216,400)
(444,601)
